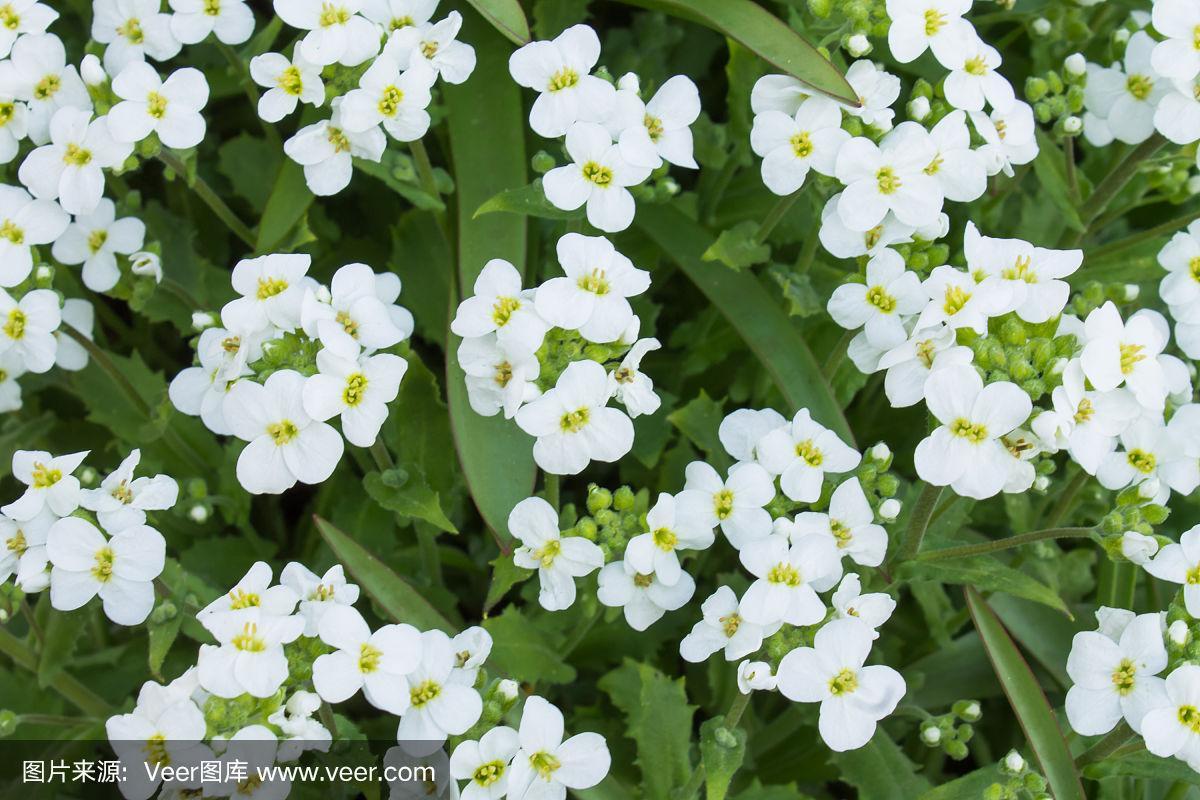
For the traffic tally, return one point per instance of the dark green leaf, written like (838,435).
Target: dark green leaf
(1052,180)
(63,630)
(984,572)
(552,17)
(523,651)
(411,498)
(286,207)
(529,201)
(699,421)
(1143,765)
(880,770)
(738,247)
(505,575)
(968,787)
(162,635)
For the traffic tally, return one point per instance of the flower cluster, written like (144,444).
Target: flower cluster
(82,543)
(290,355)
(552,357)
(614,140)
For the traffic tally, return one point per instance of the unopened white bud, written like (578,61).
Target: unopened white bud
(1193,184)
(671,185)
(1075,64)
(1121,36)
(1041,26)
(92,71)
(1059,366)
(146,264)
(87,476)
(889,509)
(918,108)
(931,735)
(1178,633)
(1148,489)
(858,45)
(202,320)
(1132,290)
(1138,547)
(880,452)
(755,676)
(323,294)
(44,273)
(507,689)
(1072,125)
(198,514)
(1041,483)
(1013,762)
(883,125)
(629,83)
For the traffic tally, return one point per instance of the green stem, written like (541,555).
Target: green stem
(551,483)
(66,685)
(1066,501)
(1069,163)
(836,356)
(918,523)
(55,720)
(732,717)
(250,89)
(1104,748)
(210,198)
(1170,226)
(428,180)
(1116,180)
(777,213)
(580,632)
(996,545)
(709,204)
(382,456)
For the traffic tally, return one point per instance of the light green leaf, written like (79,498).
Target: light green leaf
(763,325)
(552,17)
(699,421)
(529,201)
(523,651)
(507,17)
(410,496)
(63,630)
(721,751)
(286,207)
(738,247)
(161,636)
(984,572)
(880,770)
(767,36)
(969,787)
(1142,765)
(505,575)
(1052,180)
(1028,701)
(393,594)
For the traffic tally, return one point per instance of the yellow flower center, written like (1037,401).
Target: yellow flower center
(595,281)
(1194,269)
(565,78)
(339,140)
(1192,577)
(934,21)
(9,17)
(7,110)
(322,593)
(975,66)
(283,432)
(239,598)
(390,100)
(503,309)
(45,477)
(399,22)
(935,166)
(14,328)
(723,503)
(103,567)
(730,624)
(544,764)
(888,180)
(1085,411)
(810,453)
(503,374)
(348,324)
(785,574)
(248,641)
(878,297)
(424,693)
(11,232)
(1142,461)
(974,432)
(598,174)
(955,300)
(548,552)
(132,30)
(333,15)
(574,421)
(1139,86)
(1189,717)
(369,658)
(654,126)
(802,145)
(429,49)
(291,81)
(76,156)
(212,8)
(156,105)
(664,539)
(844,682)
(1131,354)
(356,389)
(1123,676)
(16,543)
(156,750)
(841,534)
(1021,270)
(925,352)
(872,237)
(269,287)
(643,581)
(96,240)
(489,773)
(47,87)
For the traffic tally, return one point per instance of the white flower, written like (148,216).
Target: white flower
(356,389)
(121,501)
(272,291)
(121,569)
(853,697)
(572,424)
(484,764)
(375,662)
(1126,353)
(432,47)
(495,379)
(655,551)
(1170,730)
(438,706)
(723,628)
(80,315)
(70,167)
(966,451)
(1008,136)
(644,597)
(841,242)
(1090,421)
(392,15)
(294,720)
(559,71)
(1180,289)
(779,93)
(871,609)
(910,364)
(1178,57)
(169,108)
(791,145)
(37,73)
(50,484)
(133,30)
(1127,100)
(23,18)
(736,504)
(1156,456)
(388,96)
(660,130)
(593,297)
(499,305)
(937,25)
(165,727)
(1138,548)
(146,264)
(959,170)
(1031,274)
(200,391)
(286,445)
(802,453)
(546,766)
(887,177)
(471,649)
(336,32)
(1114,679)
(95,240)
(598,177)
(742,428)
(231,21)
(25,223)
(288,82)
(889,294)
(318,594)
(14,125)
(850,525)
(253,590)
(558,560)
(1180,563)
(631,387)
(356,312)
(959,301)
(28,328)
(876,89)
(755,676)
(973,80)
(787,578)
(23,551)
(325,149)
(249,657)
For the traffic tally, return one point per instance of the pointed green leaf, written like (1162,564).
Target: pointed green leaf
(61,635)
(287,205)
(721,751)
(1028,702)
(880,770)
(529,200)
(507,17)
(984,572)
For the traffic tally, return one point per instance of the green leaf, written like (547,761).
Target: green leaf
(552,17)
(395,169)
(523,651)
(700,421)
(162,635)
(251,165)
(983,572)
(1043,634)
(286,207)
(721,751)
(529,200)
(738,247)
(763,325)
(767,36)
(507,17)
(63,631)
(1142,765)
(880,770)
(1028,702)
(658,719)
(1050,167)
(505,575)
(486,124)
(969,787)
(411,497)
(393,594)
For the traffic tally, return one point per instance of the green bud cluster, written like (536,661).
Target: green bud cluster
(1171,178)
(921,256)
(1188,650)
(1095,294)
(1021,783)
(1028,355)
(868,17)
(290,351)
(1131,512)
(951,731)
(300,655)
(787,639)
(227,716)
(1055,97)
(613,518)
(561,347)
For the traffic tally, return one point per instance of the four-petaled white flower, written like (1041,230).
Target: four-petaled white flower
(499,305)
(484,764)
(644,597)
(937,25)
(593,298)
(121,501)
(850,525)
(1174,728)
(1115,679)
(355,389)
(723,628)
(49,483)
(559,560)
(94,240)
(433,47)
(326,150)
(439,706)
(656,550)
(133,30)
(70,168)
(388,96)
(801,453)
(169,108)
(1126,353)
(736,503)
(288,82)
(121,570)
(788,576)
(598,177)
(1032,275)
(231,21)
(660,130)
(880,305)
(25,223)
(272,290)
(375,662)
(631,387)
(1178,56)
(559,71)
(336,31)
(546,765)
(849,602)
(318,594)
(887,177)
(791,145)
(249,657)
(1180,563)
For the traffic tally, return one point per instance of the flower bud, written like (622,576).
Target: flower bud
(1121,36)
(931,735)
(968,710)
(202,320)
(92,71)
(198,514)
(918,108)
(1178,633)
(754,676)
(623,499)
(880,452)
(323,294)
(1075,65)
(1132,290)
(87,476)
(1013,762)
(1041,26)
(1041,483)
(889,509)
(507,690)
(1072,125)
(1138,548)
(858,45)
(146,264)
(629,83)
(1149,489)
